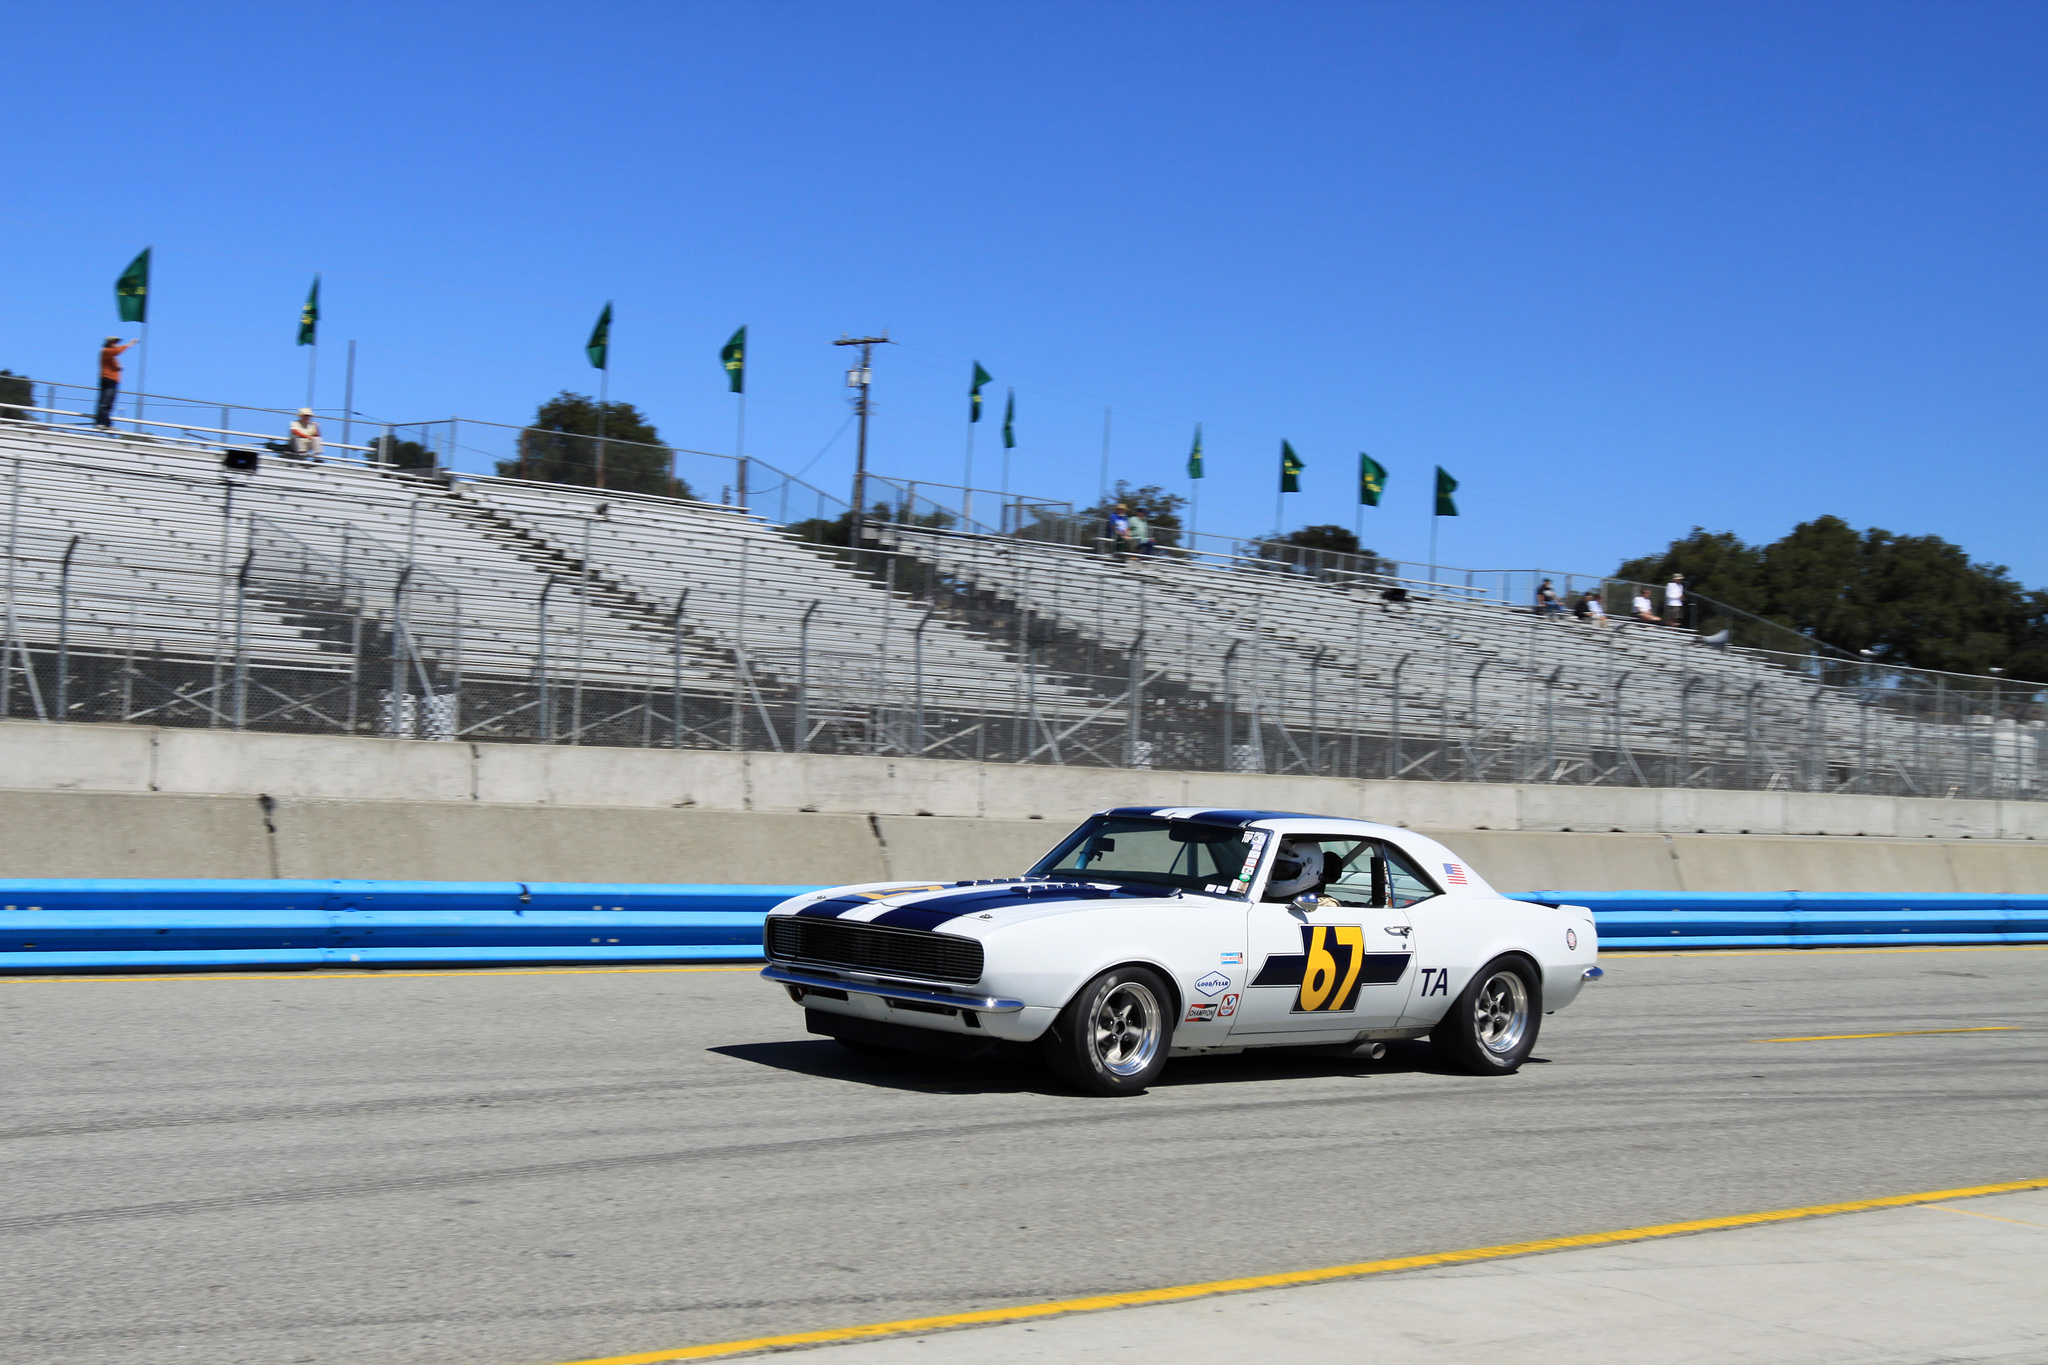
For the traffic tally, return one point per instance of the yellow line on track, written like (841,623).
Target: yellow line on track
(320,974)
(1287,1279)
(1897,1033)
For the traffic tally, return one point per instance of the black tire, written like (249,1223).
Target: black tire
(1491,1027)
(1113,1036)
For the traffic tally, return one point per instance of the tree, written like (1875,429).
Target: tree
(1159,508)
(1311,548)
(398,454)
(17,391)
(1906,599)
(563,446)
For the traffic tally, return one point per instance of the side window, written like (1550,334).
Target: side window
(1406,884)
(1353,884)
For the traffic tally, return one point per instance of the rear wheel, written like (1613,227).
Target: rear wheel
(1491,1027)
(1112,1037)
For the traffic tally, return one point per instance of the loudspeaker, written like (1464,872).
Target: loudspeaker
(239,460)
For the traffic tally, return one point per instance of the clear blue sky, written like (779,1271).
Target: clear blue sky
(1621,268)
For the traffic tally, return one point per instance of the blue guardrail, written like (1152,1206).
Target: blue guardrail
(88,925)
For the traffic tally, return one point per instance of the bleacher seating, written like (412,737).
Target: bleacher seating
(1032,648)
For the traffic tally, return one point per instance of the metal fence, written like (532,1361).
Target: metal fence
(144,584)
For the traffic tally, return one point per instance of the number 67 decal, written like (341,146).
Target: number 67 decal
(1329,979)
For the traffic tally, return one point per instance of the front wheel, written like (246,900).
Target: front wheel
(1113,1036)
(1491,1027)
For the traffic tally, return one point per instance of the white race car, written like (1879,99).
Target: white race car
(1153,932)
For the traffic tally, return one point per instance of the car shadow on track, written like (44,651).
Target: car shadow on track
(1012,1074)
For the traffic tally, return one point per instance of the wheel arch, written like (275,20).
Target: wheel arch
(1174,1001)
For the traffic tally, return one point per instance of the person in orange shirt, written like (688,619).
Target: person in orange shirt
(110,379)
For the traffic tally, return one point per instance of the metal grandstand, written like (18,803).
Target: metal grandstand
(147,584)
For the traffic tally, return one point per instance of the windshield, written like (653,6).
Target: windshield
(1184,854)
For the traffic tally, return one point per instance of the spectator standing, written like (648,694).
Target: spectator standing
(1596,610)
(1674,601)
(1141,533)
(305,436)
(1643,608)
(1119,530)
(110,380)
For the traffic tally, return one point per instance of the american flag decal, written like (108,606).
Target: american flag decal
(1454,873)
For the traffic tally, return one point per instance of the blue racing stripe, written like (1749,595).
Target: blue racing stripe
(835,907)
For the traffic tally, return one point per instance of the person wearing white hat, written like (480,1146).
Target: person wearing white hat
(305,436)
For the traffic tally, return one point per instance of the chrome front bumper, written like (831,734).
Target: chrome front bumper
(853,985)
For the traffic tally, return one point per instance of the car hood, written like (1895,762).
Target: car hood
(966,908)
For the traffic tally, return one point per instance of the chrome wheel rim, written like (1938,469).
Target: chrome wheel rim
(1501,1013)
(1126,1029)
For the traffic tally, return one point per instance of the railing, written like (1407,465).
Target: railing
(572,615)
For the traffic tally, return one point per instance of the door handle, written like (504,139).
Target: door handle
(1402,929)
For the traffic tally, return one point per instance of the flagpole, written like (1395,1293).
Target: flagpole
(604,398)
(1194,511)
(1105,453)
(741,445)
(141,373)
(967,483)
(1434,519)
(348,396)
(312,367)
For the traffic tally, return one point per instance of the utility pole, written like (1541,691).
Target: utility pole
(858,380)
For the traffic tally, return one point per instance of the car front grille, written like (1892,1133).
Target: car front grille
(865,947)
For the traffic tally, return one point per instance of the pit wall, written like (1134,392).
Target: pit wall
(124,801)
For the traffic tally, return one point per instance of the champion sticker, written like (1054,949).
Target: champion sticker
(1212,983)
(1200,1014)
(1233,959)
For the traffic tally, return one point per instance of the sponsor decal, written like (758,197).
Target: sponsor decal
(1233,959)
(1571,938)
(1331,968)
(1454,873)
(1200,1014)
(1212,983)
(1255,840)
(1227,1006)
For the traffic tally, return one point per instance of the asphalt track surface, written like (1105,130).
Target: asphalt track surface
(527,1167)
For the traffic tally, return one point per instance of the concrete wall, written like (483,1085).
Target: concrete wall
(132,801)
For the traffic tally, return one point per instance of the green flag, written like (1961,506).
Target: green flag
(1010,421)
(309,317)
(1445,486)
(734,357)
(131,291)
(1290,469)
(981,377)
(1195,454)
(1372,480)
(600,346)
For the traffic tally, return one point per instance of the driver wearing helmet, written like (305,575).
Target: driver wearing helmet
(1297,868)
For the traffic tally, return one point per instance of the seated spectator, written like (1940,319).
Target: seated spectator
(305,436)
(1547,603)
(1643,608)
(1596,610)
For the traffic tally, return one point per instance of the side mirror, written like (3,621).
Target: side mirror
(1305,902)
